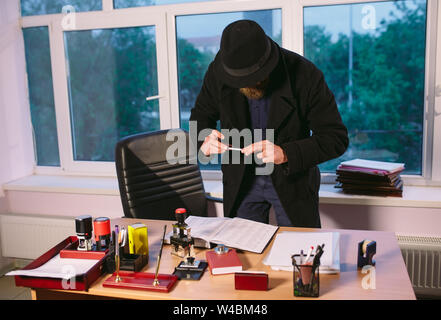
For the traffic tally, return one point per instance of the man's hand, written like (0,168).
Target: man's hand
(212,145)
(267,151)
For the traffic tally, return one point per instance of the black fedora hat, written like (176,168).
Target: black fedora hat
(246,56)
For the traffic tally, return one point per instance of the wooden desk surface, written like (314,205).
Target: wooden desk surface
(392,280)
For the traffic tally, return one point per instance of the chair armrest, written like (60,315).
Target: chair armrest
(214,199)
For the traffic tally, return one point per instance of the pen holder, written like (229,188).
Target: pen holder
(306,278)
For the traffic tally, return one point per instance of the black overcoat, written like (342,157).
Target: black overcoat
(307,125)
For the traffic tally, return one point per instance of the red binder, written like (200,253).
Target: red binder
(225,263)
(82,282)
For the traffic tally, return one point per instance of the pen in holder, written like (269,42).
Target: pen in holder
(305,277)
(117,256)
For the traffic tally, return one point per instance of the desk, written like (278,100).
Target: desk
(392,280)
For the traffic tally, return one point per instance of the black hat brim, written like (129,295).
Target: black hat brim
(253,78)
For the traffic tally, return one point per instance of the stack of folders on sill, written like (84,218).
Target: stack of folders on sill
(373,178)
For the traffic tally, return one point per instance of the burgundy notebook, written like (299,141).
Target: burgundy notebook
(223,263)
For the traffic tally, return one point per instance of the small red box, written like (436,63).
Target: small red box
(82,282)
(251,281)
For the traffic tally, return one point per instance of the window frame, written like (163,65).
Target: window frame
(431,146)
(164,19)
(90,21)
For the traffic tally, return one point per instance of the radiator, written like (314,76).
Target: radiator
(27,237)
(422,256)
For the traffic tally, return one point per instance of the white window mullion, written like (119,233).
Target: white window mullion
(107,5)
(436,152)
(173,70)
(429,91)
(61,95)
(296,27)
(162,51)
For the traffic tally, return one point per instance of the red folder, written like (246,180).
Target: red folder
(82,282)
(224,263)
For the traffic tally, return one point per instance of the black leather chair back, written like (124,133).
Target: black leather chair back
(150,186)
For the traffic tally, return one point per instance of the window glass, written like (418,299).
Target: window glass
(118,4)
(373,56)
(37,7)
(41,95)
(111,72)
(198,40)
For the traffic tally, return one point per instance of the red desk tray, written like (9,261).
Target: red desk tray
(141,281)
(71,252)
(82,282)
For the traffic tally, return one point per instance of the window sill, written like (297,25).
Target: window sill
(413,196)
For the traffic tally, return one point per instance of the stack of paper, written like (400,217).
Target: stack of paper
(370,177)
(60,268)
(288,243)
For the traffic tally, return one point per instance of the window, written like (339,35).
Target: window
(36,7)
(111,73)
(373,59)
(117,72)
(197,47)
(41,95)
(198,40)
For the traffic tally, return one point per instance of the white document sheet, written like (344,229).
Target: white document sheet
(288,243)
(236,233)
(205,227)
(245,234)
(379,165)
(58,268)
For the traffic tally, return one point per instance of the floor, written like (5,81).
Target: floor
(8,290)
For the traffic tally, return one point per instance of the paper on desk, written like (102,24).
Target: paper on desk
(236,233)
(288,243)
(205,227)
(58,268)
(245,234)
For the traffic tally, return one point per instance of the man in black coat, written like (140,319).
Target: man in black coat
(254,84)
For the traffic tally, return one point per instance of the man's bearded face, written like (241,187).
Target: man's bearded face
(256,92)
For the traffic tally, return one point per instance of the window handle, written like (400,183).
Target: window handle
(154,97)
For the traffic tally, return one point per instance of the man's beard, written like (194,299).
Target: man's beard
(256,92)
(252,93)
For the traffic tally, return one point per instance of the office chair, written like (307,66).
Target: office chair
(151,187)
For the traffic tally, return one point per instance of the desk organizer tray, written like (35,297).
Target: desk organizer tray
(141,281)
(71,252)
(81,282)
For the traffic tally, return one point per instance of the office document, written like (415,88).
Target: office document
(236,232)
(60,268)
(288,243)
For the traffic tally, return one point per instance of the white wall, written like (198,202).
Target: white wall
(16,155)
(64,204)
(404,220)
(16,152)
